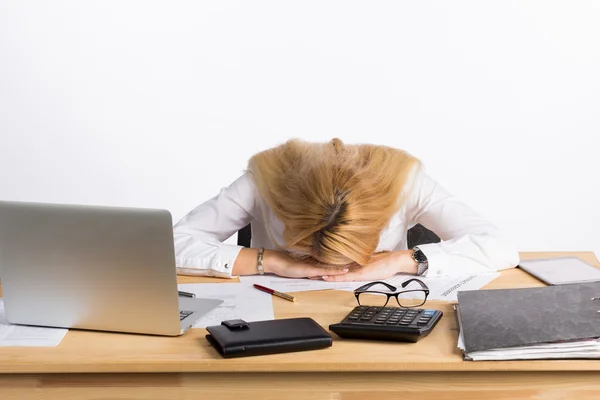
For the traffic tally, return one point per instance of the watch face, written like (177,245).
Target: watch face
(420,256)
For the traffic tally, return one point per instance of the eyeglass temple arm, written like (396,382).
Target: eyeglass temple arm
(368,285)
(423,285)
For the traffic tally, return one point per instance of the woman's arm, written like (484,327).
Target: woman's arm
(199,236)
(470,244)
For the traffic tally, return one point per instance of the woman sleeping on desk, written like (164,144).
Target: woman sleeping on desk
(339,213)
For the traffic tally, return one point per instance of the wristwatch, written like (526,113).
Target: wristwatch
(421,260)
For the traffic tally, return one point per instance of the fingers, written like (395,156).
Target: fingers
(349,277)
(335,271)
(315,272)
(328,272)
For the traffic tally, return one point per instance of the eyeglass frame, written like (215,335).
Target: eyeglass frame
(363,289)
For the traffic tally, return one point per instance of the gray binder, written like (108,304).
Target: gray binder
(494,319)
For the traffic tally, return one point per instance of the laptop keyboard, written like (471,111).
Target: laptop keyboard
(184,314)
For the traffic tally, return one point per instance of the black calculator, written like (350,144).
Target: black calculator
(387,323)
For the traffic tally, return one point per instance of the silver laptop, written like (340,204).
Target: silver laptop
(89,267)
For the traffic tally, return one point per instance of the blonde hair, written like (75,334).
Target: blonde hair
(333,199)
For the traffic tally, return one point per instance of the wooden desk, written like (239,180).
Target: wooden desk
(95,365)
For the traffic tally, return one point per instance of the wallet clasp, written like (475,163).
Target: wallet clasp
(235,324)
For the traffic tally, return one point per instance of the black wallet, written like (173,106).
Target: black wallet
(238,338)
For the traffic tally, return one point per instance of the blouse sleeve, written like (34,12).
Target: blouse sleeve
(470,244)
(199,236)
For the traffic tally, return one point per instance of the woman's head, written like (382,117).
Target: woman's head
(333,199)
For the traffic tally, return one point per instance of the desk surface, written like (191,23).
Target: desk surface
(87,351)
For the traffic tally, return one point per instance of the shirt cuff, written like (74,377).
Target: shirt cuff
(436,259)
(220,265)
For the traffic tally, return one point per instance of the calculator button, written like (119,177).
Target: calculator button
(404,323)
(391,322)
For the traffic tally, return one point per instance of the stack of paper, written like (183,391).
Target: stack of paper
(577,349)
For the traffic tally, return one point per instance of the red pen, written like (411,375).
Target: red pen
(275,292)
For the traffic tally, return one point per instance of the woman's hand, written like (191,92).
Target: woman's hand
(382,266)
(282,264)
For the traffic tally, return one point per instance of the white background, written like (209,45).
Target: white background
(160,104)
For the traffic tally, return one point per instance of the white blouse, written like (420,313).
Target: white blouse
(470,244)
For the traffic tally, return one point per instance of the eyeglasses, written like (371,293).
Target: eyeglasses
(405,298)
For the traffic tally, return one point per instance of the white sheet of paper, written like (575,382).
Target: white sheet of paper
(241,301)
(290,285)
(440,288)
(20,335)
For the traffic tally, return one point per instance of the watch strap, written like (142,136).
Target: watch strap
(259,259)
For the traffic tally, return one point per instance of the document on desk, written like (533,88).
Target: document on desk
(446,288)
(440,288)
(240,301)
(20,335)
(290,285)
